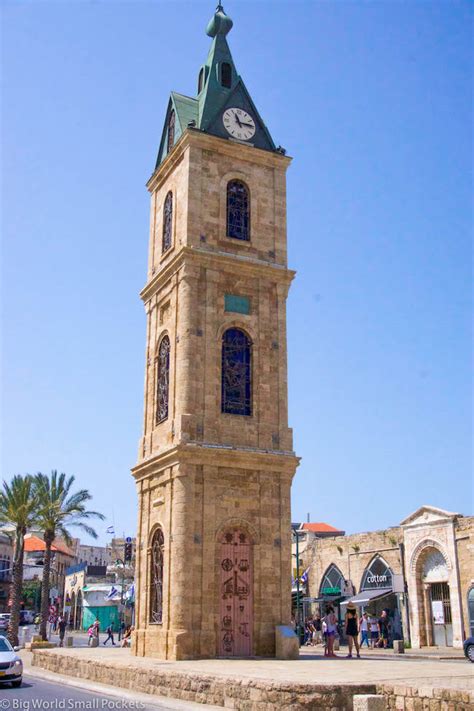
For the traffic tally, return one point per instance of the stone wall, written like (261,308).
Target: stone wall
(464,532)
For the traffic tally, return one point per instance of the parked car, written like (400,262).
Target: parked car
(11,666)
(4,620)
(469,648)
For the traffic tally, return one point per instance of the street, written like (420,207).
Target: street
(39,694)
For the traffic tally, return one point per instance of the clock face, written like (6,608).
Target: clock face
(238,123)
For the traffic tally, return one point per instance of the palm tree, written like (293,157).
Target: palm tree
(57,510)
(18,506)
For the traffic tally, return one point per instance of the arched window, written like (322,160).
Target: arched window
(167,223)
(332,582)
(156,577)
(171,125)
(378,574)
(238,210)
(163,380)
(201,80)
(236,373)
(226,75)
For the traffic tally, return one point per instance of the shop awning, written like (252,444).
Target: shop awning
(367,596)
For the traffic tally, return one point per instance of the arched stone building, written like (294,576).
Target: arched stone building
(422,571)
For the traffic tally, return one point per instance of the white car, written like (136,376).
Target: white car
(11,666)
(4,620)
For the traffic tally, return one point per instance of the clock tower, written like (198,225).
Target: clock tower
(216,458)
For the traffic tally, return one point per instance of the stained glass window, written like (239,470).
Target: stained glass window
(377,575)
(238,210)
(167,222)
(171,125)
(333,582)
(162,391)
(226,75)
(156,577)
(236,372)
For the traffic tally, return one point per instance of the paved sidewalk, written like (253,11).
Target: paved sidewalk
(311,668)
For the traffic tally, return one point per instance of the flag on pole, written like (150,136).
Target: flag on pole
(111,530)
(112,593)
(304,577)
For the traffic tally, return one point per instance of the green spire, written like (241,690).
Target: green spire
(213,93)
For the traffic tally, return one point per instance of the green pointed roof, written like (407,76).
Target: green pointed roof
(214,94)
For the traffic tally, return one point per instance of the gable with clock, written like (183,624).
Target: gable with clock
(222,94)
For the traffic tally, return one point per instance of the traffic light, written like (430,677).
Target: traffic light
(128,553)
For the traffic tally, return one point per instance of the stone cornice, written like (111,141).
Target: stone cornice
(201,453)
(195,137)
(201,256)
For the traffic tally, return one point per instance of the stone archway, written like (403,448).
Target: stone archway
(432,573)
(235,594)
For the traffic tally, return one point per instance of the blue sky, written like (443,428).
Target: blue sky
(373,101)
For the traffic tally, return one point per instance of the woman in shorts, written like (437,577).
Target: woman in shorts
(374,632)
(331,629)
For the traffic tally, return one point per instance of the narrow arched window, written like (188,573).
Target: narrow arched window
(236,372)
(201,80)
(163,380)
(238,210)
(167,223)
(171,125)
(332,582)
(226,75)
(156,577)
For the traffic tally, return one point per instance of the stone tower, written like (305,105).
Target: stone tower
(216,458)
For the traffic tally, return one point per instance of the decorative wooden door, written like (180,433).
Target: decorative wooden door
(236,597)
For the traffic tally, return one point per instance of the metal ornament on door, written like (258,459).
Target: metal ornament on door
(236,596)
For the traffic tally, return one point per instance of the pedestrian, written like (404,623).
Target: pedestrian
(110,635)
(61,630)
(374,632)
(121,630)
(317,630)
(384,623)
(364,630)
(126,636)
(331,629)
(352,629)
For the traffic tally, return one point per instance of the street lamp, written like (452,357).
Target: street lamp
(299,627)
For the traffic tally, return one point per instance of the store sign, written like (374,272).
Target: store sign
(377,575)
(331,591)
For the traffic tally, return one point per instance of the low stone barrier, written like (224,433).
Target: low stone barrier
(231,692)
(244,694)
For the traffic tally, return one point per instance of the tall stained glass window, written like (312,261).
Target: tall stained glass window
(156,577)
(163,377)
(236,373)
(167,222)
(238,210)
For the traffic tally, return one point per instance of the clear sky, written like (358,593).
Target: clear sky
(372,99)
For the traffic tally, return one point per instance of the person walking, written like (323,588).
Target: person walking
(317,630)
(331,629)
(61,630)
(110,635)
(364,630)
(352,629)
(384,628)
(374,632)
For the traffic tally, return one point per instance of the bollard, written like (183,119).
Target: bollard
(94,642)
(398,646)
(69,641)
(336,644)
(369,702)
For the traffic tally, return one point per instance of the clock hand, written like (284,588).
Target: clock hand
(237,119)
(249,125)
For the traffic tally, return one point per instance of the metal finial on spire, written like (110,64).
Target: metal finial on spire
(220,24)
